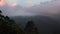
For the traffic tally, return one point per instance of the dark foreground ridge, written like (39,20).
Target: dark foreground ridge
(8,26)
(39,25)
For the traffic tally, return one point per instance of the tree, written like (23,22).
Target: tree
(0,14)
(8,26)
(0,11)
(31,28)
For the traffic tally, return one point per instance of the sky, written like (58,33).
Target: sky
(26,3)
(29,7)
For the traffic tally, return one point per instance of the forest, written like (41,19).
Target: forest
(8,26)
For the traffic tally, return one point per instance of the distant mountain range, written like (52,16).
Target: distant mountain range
(45,24)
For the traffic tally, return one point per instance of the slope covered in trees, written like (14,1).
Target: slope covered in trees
(8,26)
(31,28)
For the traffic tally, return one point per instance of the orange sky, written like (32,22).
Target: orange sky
(2,2)
(13,5)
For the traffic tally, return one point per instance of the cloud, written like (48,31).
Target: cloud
(52,8)
(30,3)
(2,2)
(13,5)
(12,1)
(48,9)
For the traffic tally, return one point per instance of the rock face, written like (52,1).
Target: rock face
(30,28)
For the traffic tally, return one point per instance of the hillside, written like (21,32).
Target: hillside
(44,24)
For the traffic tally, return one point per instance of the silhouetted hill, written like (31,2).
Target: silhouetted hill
(8,26)
(45,24)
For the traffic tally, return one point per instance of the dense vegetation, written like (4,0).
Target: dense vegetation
(8,26)
(31,28)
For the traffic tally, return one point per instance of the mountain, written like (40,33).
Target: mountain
(45,24)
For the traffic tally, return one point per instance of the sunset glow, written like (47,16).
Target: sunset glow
(13,5)
(26,7)
(2,2)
